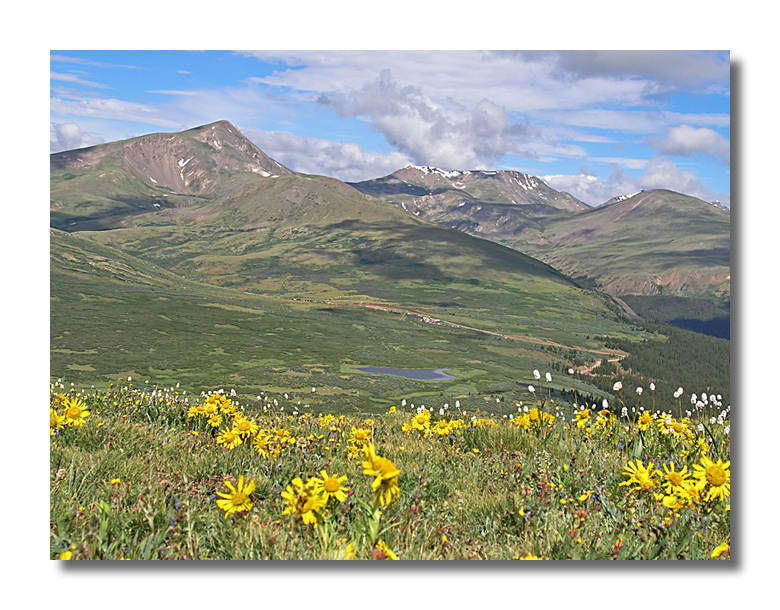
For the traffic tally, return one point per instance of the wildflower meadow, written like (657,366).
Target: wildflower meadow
(156,473)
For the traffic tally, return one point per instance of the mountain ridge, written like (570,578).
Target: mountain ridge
(214,173)
(590,244)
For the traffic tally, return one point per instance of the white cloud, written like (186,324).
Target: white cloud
(67,136)
(659,173)
(664,174)
(109,108)
(425,130)
(517,80)
(687,141)
(343,160)
(72,78)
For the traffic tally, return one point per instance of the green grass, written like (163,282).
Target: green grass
(138,480)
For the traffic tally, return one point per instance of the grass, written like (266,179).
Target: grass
(141,476)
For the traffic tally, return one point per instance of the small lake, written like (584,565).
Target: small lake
(419,374)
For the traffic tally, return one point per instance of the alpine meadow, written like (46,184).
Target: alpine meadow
(251,358)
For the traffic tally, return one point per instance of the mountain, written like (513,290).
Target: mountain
(429,189)
(647,243)
(151,173)
(499,205)
(654,242)
(207,207)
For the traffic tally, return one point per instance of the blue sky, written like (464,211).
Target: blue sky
(593,123)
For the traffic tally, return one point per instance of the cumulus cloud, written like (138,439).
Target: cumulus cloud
(592,190)
(427,132)
(659,173)
(67,136)
(664,174)
(687,141)
(343,160)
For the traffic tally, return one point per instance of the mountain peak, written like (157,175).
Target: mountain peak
(426,190)
(179,161)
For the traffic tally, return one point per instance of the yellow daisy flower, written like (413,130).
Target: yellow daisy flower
(56,421)
(263,443)
(385,473)
(421,421)
(441,427)
(716,475)
(215,421)
(359,436)
(675,481)
(329,486)
(582,417)
(301,502)
(75,412)
(645,421)
(244,427)
(229,439)
(238,499)
(644,477)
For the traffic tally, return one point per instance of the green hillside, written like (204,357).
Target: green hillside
(114,315)
(656,242)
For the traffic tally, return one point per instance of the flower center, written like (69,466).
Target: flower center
(675,478)
(74,412)
(238,499)
(383,466)
(331,485)
(715,475)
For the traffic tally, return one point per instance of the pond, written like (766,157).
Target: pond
(419,374)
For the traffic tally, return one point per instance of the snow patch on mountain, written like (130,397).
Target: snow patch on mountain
(427,169)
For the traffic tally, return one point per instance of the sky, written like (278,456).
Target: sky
(596,124)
